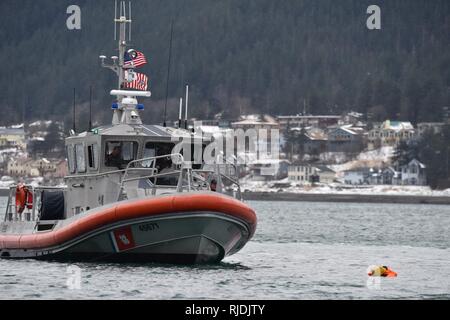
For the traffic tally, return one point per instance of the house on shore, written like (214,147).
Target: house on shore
(358,176)
(343,139)
(12,137)
(414,173)
(310,173)
(268,169)
(390,133)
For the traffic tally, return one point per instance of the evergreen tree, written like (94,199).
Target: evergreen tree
(267,53)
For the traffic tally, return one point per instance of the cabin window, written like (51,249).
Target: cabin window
(149,152)
(93,156)
(120,153)
(154,149)
(163,164)
(81,158)
(194,154)
(71,158)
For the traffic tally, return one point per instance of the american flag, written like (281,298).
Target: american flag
(139,83)
(134,59)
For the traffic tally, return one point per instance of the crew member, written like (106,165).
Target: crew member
(114,159)
(213,185)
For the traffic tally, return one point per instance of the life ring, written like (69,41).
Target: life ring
(21,198)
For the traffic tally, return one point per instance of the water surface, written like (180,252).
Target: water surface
(301,250)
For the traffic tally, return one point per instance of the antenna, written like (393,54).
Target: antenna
(90,108)
(187,103)
(180,115)
(129,30)
(24,106)
(115,18)
(168,72)
(74,127)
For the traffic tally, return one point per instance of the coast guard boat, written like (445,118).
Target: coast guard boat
(129,197)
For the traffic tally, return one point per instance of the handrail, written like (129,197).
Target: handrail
(153,167)
(153,176)
(188,179)
(93,175)
(172,155)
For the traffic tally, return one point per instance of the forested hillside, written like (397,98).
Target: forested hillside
(238,55)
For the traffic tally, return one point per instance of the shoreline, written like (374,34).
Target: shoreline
(332,197)
(355,198)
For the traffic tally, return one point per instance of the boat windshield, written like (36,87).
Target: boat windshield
(120,153)
(164,165)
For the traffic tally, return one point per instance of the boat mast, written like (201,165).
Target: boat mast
(122,21)
(126,108)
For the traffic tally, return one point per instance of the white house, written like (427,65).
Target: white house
(307,173)
(390,176)
(433,127)
(357,176)
(268,169)
(414,173)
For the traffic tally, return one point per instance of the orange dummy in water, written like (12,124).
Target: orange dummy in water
(381,271)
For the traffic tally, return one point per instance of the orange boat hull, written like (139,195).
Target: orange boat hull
(152,229)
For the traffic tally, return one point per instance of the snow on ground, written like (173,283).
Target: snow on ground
(374,158)
(285,186)
(6,184)
(382,154)
(40,123)
(8,151)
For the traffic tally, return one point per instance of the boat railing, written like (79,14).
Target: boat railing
(149,165)
(228,171)
(187,178)
(31,209)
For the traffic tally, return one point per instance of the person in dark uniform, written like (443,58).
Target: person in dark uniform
(213,185)
(114,159)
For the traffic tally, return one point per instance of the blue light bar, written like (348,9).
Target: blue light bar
(140,107)
(115,106)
